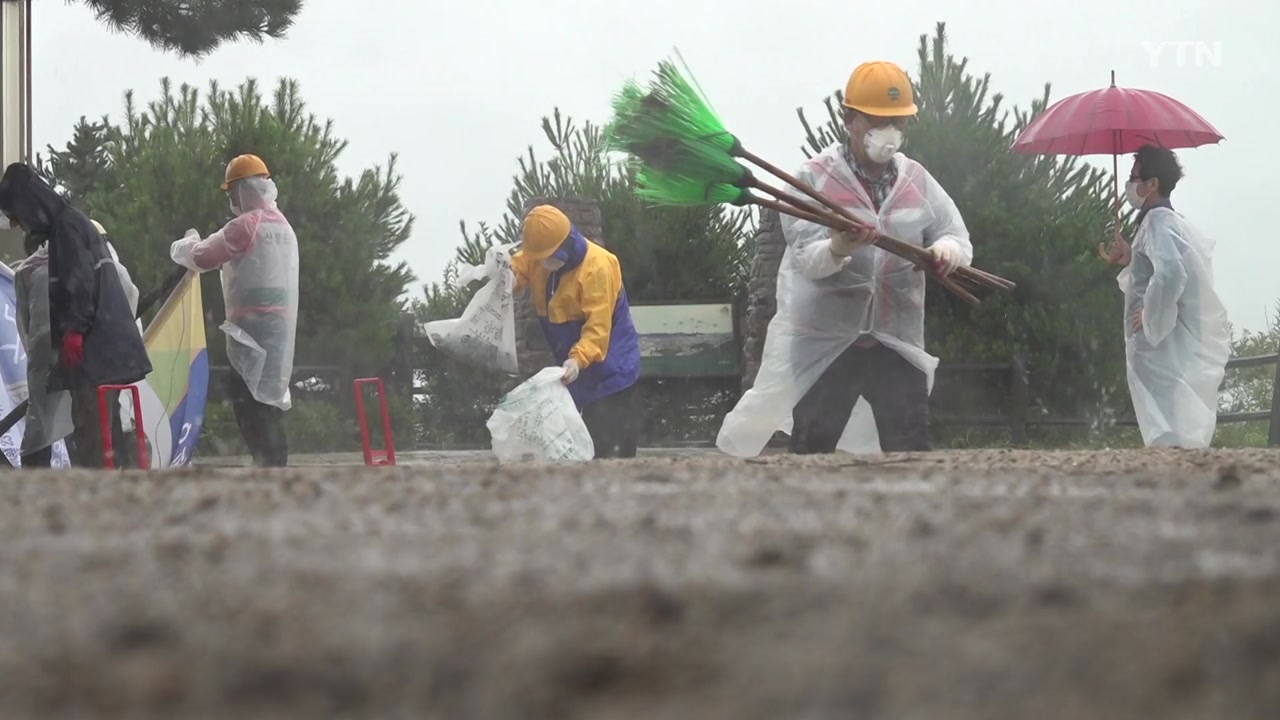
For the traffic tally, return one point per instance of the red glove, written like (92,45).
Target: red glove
(72,350)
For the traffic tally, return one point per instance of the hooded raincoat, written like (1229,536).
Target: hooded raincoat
(585,315)
(1176,361)
(258,254)
(85,291)
(825,304)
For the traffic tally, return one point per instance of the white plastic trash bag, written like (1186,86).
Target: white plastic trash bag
(485,335)
(539,421)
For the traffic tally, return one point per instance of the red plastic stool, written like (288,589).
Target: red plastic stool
(386,456)
(105,414)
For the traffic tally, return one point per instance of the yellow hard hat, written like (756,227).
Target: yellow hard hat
(244,166)
(98,226)
(880,88)
(545,228)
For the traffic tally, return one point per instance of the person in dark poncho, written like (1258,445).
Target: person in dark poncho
(92,332)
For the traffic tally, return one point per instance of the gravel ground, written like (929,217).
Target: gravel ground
(997,584)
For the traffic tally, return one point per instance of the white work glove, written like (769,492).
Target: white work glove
(571,370)
(946,257)
(845,242)
(182,249)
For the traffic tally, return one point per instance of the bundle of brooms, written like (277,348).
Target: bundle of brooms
(686,156)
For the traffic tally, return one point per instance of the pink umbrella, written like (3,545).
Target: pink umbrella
(1114,121)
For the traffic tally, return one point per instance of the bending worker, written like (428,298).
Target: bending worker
(258,254)
(122,422)
(1177,339)
(94,340)
(582,306)
(850,316)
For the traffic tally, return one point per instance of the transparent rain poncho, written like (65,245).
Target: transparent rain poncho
(258,254)
(48,417)
(823,304)
(1176,362)
(132,295)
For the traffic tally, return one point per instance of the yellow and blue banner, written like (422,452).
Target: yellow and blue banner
(174,394)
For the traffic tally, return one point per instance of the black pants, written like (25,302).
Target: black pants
(614,424)
(261,426)
(897,391)
(42,458)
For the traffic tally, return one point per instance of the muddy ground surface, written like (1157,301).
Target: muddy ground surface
(1127,584)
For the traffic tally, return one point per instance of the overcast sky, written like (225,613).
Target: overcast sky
(458,89)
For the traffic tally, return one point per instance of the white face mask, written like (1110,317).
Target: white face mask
(1136,201)
(552,264)
(881,143)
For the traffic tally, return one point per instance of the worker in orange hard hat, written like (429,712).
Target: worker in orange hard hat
(849,325)
(580,301)
(257,253)
(244,166)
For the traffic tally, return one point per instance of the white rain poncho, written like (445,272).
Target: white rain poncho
(258,254)
(1175,363)
(132,295)
(824,305)
(48,417)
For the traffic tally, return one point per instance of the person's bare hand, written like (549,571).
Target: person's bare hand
(1120,252)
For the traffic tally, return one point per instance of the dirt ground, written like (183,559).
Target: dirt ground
(997,584)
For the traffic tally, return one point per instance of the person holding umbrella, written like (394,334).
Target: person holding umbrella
(1176,336)
(1177,339)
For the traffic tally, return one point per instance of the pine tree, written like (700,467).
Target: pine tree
(194,28)
(82,167)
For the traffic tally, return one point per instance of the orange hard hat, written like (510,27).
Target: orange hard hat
(545,229)
(244,166)
(880,88)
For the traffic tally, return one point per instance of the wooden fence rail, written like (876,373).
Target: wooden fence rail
(1019,419)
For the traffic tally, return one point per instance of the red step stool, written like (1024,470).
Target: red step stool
(105,415)
(386,456)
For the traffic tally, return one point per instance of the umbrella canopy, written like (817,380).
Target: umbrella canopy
(1114,121)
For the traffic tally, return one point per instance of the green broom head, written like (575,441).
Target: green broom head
(662,188)
(641,120)
(626,127)
(669,108)
(686,111)
(696,159)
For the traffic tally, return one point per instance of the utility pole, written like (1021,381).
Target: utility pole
(15,98)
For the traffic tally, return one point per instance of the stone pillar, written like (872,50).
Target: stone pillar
(762,289)
(531,344)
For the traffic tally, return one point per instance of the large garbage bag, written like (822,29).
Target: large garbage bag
(485,335)
(538,420)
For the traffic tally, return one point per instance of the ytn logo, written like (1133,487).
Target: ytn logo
(1207,54)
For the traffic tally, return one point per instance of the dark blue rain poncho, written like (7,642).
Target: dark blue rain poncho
(85,294)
